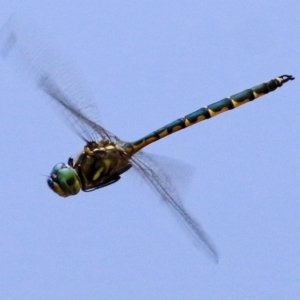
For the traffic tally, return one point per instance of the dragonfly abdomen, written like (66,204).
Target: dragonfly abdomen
(208,112)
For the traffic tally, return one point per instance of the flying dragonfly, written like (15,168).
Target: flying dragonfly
(105,157)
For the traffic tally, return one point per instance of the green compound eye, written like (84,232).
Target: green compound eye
(64,180)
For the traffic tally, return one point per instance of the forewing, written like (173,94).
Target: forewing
(55,76)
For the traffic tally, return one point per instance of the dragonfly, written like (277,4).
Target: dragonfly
(105,157)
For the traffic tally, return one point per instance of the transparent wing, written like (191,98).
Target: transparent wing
(161,183)
(54,76)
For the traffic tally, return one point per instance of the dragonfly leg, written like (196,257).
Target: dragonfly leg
(71,162)
(112,180)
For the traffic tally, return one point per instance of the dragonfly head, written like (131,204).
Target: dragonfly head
(64,180)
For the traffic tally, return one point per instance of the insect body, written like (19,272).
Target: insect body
(105,157)
(102,163)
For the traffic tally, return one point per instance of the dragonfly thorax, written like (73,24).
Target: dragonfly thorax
(98,165)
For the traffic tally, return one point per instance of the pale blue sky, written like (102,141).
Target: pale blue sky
(146,63)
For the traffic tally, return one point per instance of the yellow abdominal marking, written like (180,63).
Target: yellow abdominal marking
(201,118)
(256,95)
(187,123)
(163,133)
(150,140)
(213,113)
(237,104)
(279,80)
(176,128)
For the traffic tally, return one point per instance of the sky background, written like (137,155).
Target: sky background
(147,63)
